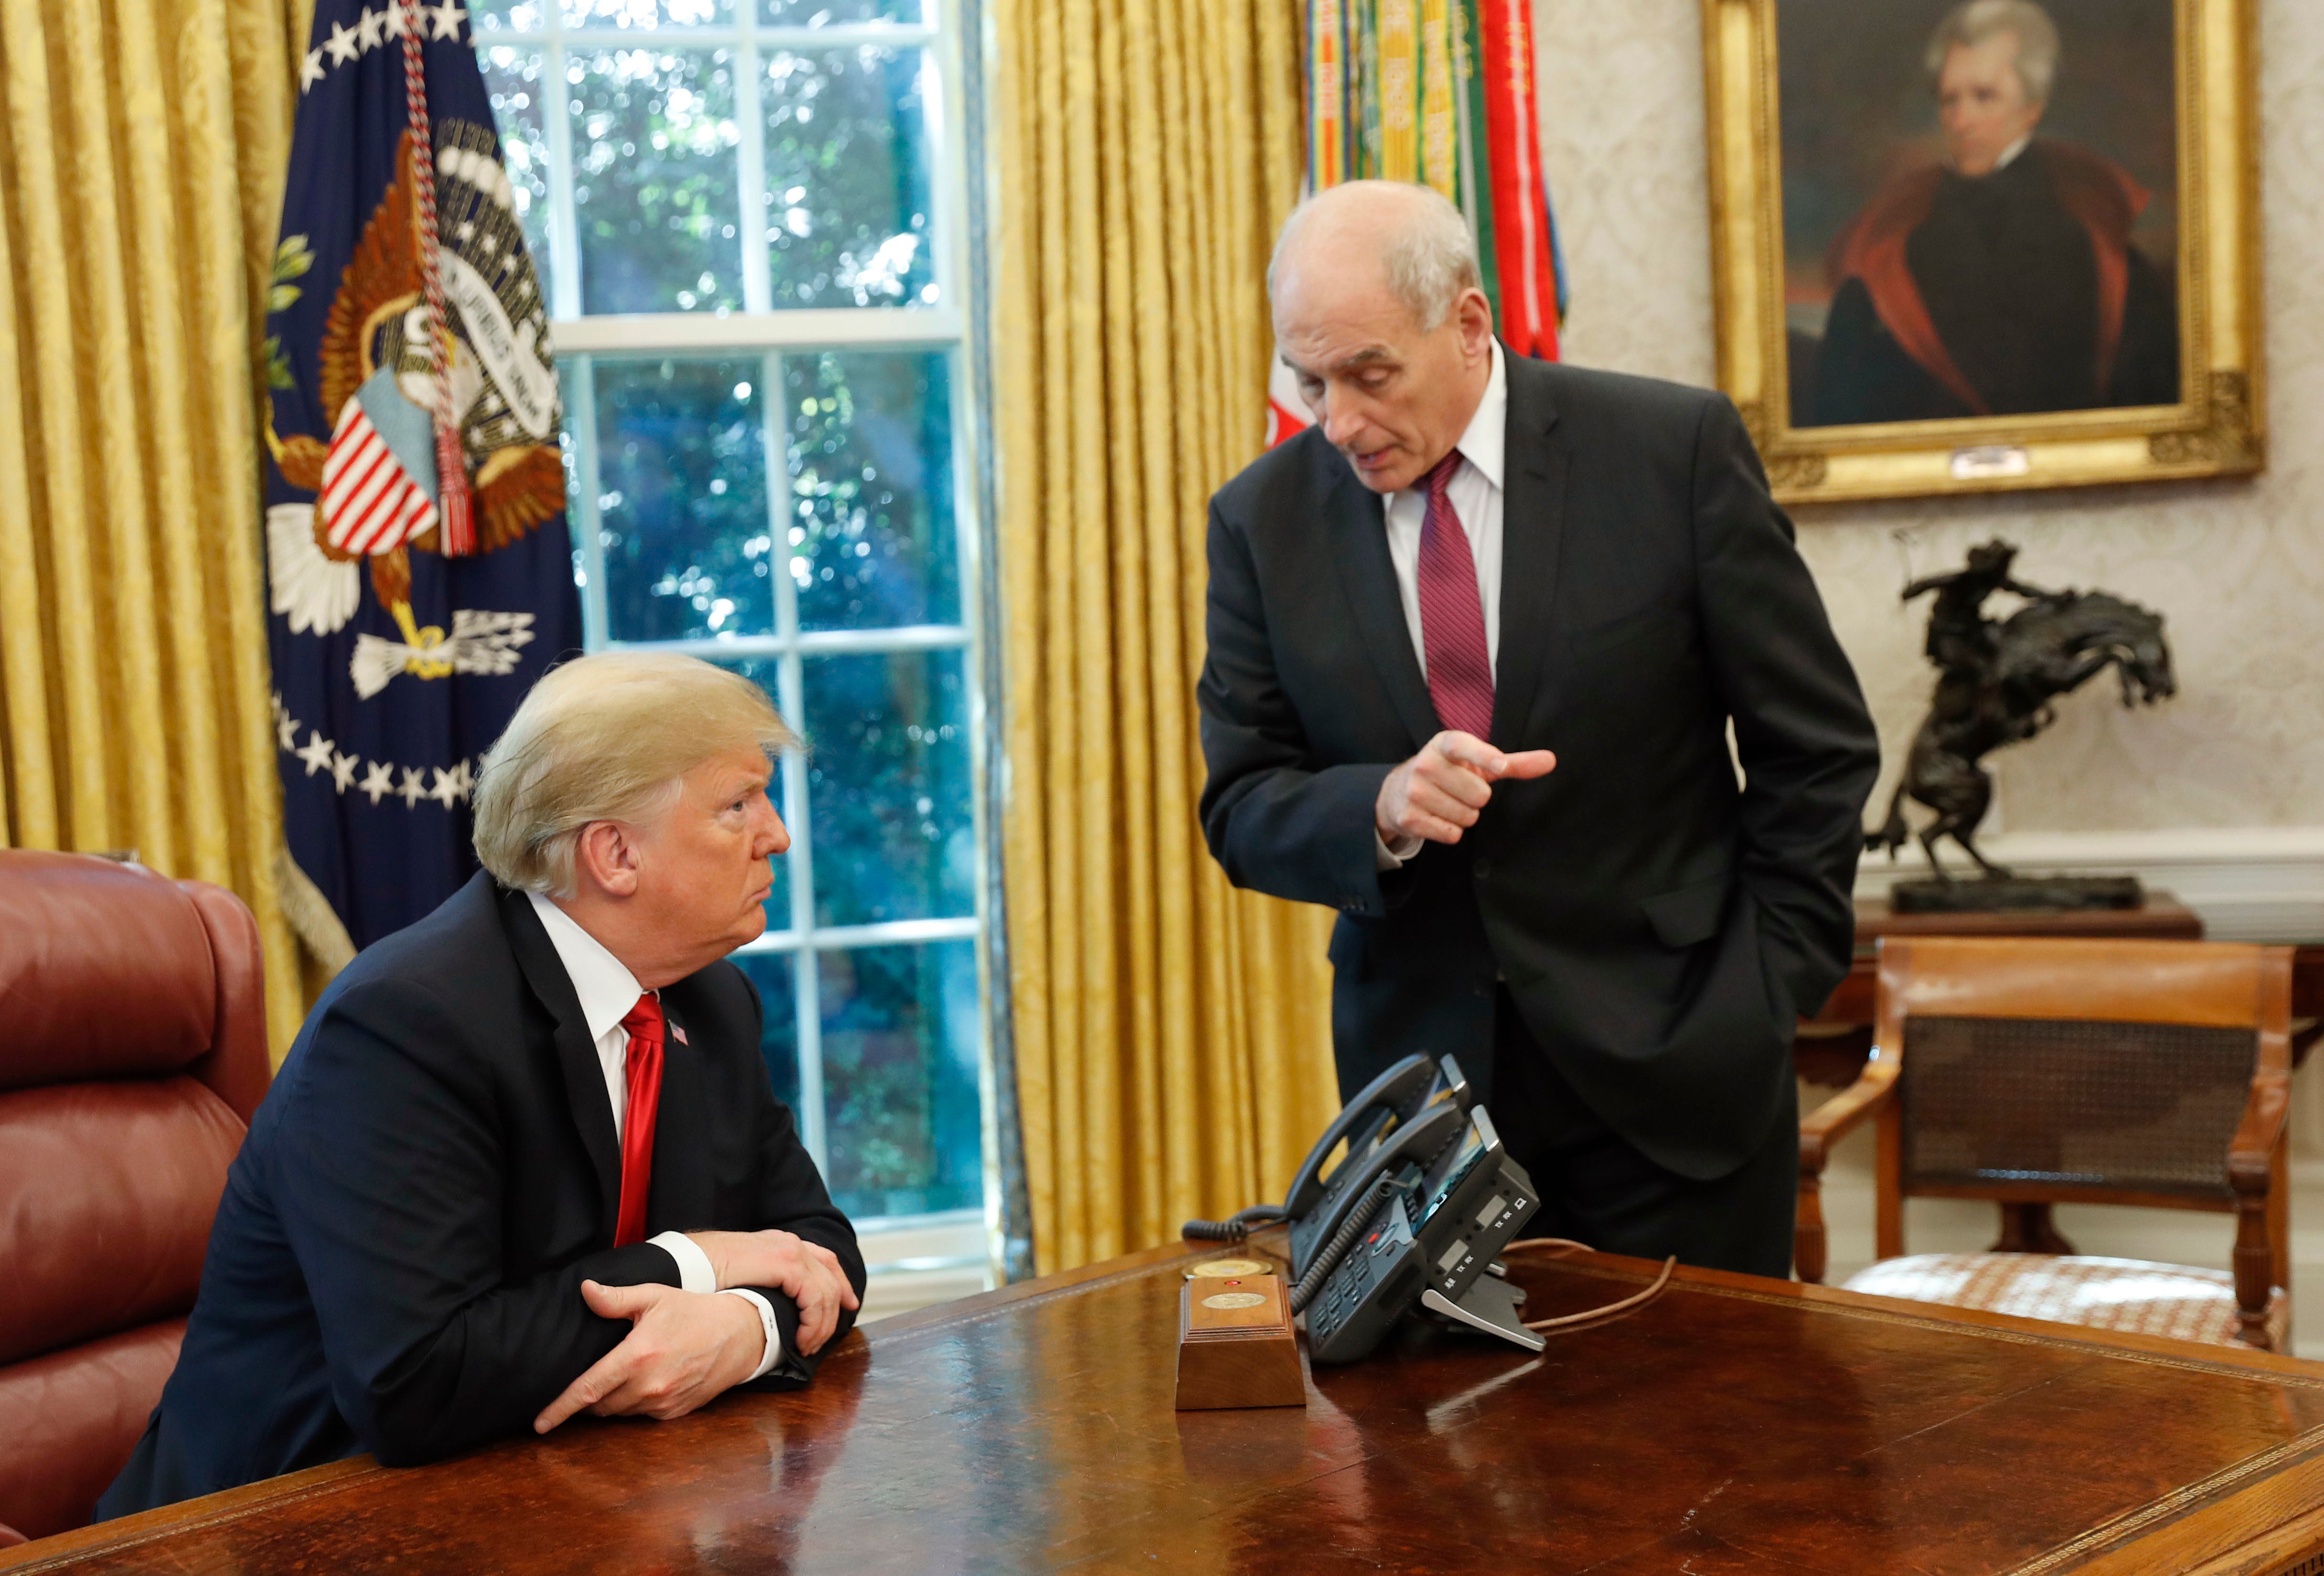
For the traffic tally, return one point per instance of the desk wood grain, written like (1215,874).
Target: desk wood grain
(1736,1425)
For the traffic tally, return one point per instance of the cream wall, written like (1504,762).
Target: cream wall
(2217,793)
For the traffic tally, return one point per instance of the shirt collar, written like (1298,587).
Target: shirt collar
(1487,439)
(605,988)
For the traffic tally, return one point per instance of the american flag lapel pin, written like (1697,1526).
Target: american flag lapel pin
(680,1034)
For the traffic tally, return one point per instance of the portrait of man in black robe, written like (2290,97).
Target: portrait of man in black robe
(2004,280)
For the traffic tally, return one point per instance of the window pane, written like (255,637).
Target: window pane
(489,16)
(779,901)
(771,972)
(646,12)
(899,1077)
(847,178)
(654,192)
(681,451)
(823,13)
(888,792)
(872,540)
(513,76)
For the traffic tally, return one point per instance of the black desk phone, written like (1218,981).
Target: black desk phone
(1403,1112)
(1419,1206)
(1432,1240)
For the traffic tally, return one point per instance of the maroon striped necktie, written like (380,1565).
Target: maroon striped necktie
(1451,614)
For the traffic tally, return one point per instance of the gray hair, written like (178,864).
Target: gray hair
(607,738)
(1427,251)
(1973,23)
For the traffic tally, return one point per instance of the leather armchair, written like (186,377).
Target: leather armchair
(132,1053)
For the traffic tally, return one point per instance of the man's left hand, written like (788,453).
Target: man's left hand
(683,1349)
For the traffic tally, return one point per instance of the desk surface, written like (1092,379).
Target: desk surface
(1737,1425)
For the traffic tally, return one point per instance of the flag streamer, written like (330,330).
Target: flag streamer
(1440,92)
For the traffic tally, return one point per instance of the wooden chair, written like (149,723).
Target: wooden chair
(2036,1072)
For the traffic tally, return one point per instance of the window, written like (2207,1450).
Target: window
(748,219)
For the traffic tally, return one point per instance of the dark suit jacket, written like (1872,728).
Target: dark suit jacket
(1657,926)
(396,1264)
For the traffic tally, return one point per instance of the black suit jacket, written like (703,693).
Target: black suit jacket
(396,1264)
(1657,926)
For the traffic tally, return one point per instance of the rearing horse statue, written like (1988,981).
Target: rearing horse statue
(1996,680)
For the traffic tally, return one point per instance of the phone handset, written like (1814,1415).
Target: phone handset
(1380,1110)
(1396,1096)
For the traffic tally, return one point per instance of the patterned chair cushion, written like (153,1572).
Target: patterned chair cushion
(2105,1294)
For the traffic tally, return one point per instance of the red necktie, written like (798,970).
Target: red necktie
(643,1071)
(1451,614)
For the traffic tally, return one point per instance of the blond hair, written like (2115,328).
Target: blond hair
(1972,24)
(607,737)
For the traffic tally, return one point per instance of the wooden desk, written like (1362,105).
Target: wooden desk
(1737,1425)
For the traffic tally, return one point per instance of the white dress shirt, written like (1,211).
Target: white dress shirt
(1475,493)
(607,990)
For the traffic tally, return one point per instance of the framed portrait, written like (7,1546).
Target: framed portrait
(1966,246)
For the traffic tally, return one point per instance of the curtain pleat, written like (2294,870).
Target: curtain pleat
(142,152)
(1173,1039)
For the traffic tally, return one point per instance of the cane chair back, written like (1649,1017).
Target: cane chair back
(2042,1071)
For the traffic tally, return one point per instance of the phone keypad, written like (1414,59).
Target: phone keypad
(1359,1300)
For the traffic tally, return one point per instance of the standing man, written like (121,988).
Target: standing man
(524,1159)
(1476,641)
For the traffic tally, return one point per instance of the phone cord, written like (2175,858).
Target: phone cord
(1235,1227)
(1592,1316)
(1328,1260)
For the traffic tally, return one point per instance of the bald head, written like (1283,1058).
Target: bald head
(1407,237)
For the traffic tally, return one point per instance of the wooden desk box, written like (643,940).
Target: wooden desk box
(1236,1346)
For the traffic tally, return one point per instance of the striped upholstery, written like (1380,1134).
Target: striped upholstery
(2102,1293)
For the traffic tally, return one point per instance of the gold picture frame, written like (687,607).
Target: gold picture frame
(2217,427)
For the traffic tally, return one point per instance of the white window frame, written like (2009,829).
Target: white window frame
(913,1259)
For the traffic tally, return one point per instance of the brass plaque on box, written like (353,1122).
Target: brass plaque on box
(1236,1346)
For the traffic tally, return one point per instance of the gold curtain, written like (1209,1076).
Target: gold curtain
(1173,1038)
(143,146)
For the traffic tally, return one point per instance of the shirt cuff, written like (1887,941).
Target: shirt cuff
(774,1353)
(1391,856)
(694,1271)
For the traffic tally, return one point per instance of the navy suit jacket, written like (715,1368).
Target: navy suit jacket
(1657,924)
(396,1264)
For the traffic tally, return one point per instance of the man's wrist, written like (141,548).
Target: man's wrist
(772,1353)
(696,1270)
(1391,853)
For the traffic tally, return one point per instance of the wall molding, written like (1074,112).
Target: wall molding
(2250,883)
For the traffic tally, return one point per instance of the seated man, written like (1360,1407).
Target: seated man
(522,1150)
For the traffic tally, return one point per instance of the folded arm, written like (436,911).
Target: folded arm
(392,1204)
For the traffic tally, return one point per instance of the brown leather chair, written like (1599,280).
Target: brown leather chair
(2040,1072)
(132,1052)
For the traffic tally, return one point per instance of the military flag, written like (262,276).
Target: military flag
(1440,92)
(419,578)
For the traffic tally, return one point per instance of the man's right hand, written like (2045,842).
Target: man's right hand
(1439,792)
(808,1273)
(683,1349)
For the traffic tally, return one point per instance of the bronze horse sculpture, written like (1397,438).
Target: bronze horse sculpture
(1997,678)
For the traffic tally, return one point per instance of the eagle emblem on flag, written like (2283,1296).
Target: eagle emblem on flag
(376,479)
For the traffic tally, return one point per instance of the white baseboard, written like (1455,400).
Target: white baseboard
(2250,884)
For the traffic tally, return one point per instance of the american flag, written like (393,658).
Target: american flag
(369,502)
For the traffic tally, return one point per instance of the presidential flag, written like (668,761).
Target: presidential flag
(1439,92)
(419,578)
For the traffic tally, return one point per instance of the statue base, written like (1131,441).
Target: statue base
(2001,893)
